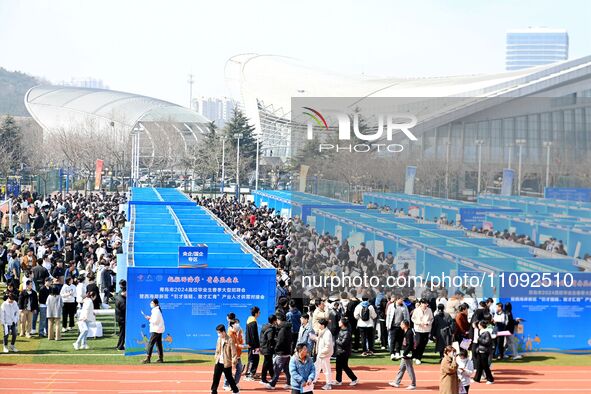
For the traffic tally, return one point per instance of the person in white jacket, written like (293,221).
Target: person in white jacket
(324,350)
(85,318)
(465,370)
(80,291)
(156,329)
(68,294)
(9,314)
(365,314)
(422,317)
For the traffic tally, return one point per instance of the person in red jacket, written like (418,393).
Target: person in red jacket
(462,324)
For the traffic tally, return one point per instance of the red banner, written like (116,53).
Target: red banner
(98,174)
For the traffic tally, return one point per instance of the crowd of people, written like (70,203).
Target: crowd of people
(58,262)
(311,327)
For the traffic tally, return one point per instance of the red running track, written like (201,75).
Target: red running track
(45,378)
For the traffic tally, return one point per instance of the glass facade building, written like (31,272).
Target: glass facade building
(535,47)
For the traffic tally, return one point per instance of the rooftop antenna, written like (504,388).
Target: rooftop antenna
(190,81)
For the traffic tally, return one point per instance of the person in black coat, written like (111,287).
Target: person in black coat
(92,286)
(28,303)
(268,334)
(120,306)
(484,346)
(442,330)
(343,352)
(408,342)
(253,342)
(282,350)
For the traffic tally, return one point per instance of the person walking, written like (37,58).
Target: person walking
(85,318)
(301,370)
(253,343)
(344,344)
(422,317)
(465,370)
(462,329)
(484,346)
(305,333)
(28,303)
(235,333)
(395,314)
(324,351)
(156,329)
(366,316)
(225,359)
(9,315)
(68,294)
(406,360)
(282,352)
(449,383)
(120,307)
(268,334)
(54,313)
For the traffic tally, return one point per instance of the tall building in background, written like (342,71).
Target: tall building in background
(217,109)
(88,82)
(535,46)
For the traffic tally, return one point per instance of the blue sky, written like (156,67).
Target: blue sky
(149,47)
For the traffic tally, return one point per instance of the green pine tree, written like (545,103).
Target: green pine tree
(239,124)
(10,144)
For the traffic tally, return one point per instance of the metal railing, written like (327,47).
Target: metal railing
(179,226)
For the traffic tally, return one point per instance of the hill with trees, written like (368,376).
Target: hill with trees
(13,86)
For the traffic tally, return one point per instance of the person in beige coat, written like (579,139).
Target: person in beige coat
(449,383)
(225,358)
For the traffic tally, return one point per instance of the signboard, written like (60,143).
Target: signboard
(13,186)
(193,302)
(507,185)
(568,193)
(474,217)
(556,318)
(193,256)
(409,184)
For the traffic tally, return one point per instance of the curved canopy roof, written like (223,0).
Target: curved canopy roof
(58,107)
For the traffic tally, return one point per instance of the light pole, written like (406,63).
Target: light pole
(135,154)
(479,143)
(223,162)
(547,145)
(256,171)
(520,144)
(510,146)
(238,136)
(447,154)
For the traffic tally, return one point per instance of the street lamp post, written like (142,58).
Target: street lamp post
(238,136)
(256,171)
(223,162)
(447,154)
(479,143)
(519,143)
(510,146)
(547,145)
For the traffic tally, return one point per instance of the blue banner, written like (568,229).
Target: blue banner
(556,317)
(474,217)
(193,256)
(568,193)
(507,185)
(193,301)
(409,183)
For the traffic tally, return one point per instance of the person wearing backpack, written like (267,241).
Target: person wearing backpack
(408,347)
(365,314)
(422,317)
(484,346)
(442,330)
(268,334)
